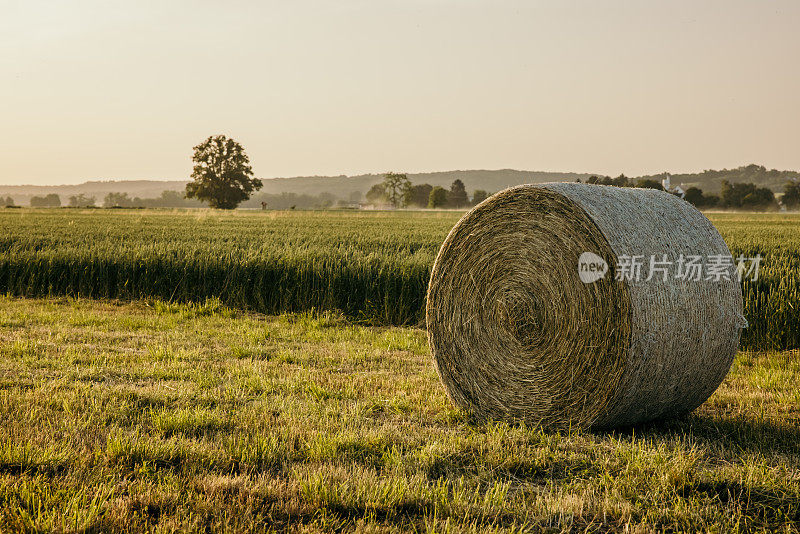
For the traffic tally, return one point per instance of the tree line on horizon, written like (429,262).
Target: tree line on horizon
(223,179)
(732,195)
(397,191)
(167,199)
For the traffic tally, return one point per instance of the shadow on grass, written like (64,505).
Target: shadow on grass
(733,437)
(734,434)
(764,505)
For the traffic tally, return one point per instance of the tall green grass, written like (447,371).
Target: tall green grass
(373,267)
(771,303)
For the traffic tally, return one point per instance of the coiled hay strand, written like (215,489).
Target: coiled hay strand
(516,334)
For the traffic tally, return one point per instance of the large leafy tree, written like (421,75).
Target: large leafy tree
(222,174)
(396,186)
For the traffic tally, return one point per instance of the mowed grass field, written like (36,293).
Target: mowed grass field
(371,266)
(175,417)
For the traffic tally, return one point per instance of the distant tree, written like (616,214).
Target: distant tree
(377,194)
(457,197)
(418,195)
(118,200)
(620,181)
(648,183)
(438,197)
(731,195)
(167,199)
(8,202)
(746,195)
(762,197)
(325,200)
(171,199)
(479,196)
(791,194)
(81,201)
(222,174)
(396,186)
(695,196)
(285,201)
(602,180)
(48,201)
(355,196)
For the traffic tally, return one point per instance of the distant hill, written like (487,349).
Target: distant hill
(343,186)
(135,188)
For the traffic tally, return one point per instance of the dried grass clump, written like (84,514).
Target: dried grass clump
(516,334)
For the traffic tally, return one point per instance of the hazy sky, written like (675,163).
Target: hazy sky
(123,90)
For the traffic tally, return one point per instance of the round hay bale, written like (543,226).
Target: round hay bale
(517,334)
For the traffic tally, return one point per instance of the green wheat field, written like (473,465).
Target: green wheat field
(252,371)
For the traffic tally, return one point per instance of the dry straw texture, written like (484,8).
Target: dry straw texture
(516,334)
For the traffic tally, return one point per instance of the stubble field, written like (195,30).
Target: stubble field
(174,417)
